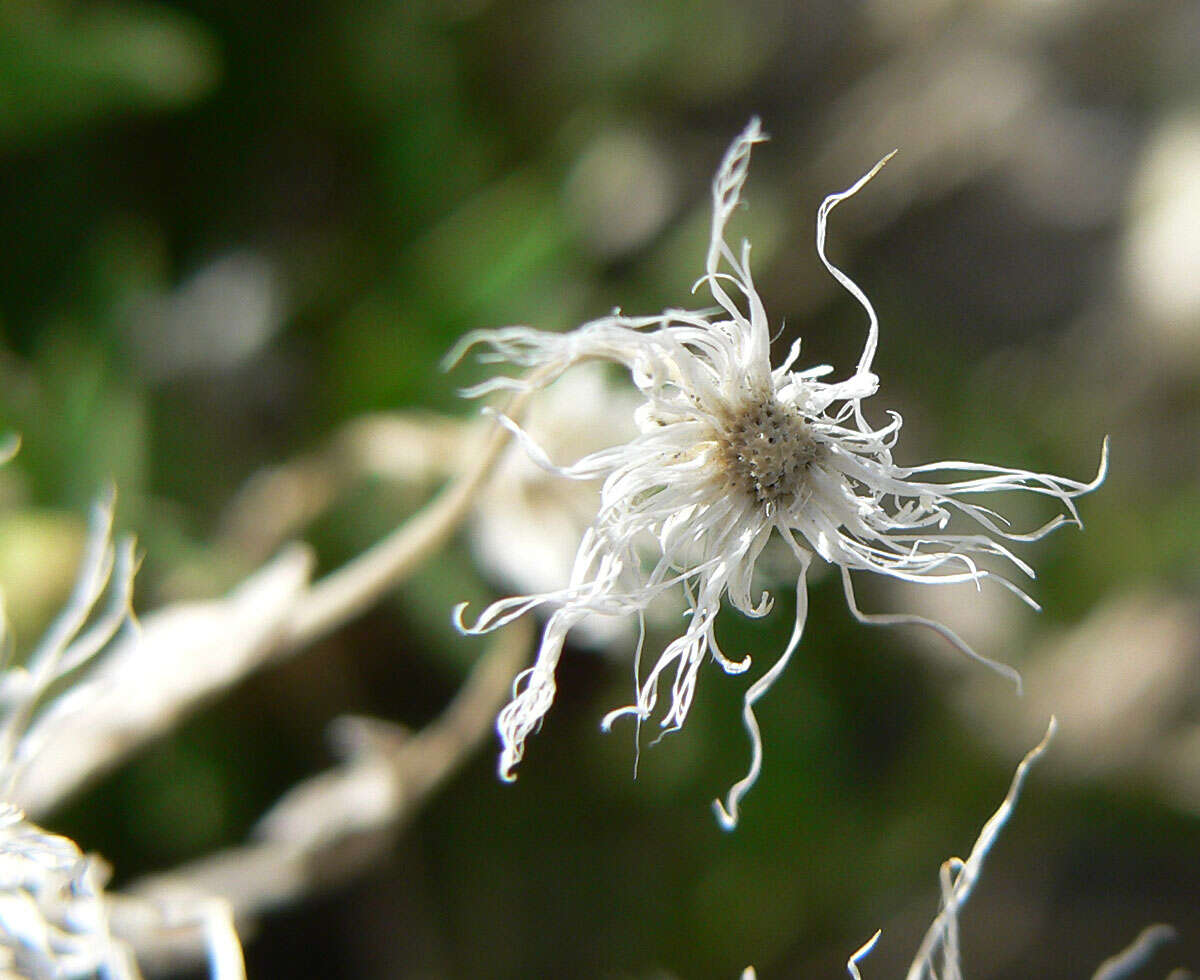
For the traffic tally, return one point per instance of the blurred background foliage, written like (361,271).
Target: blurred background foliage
(232,228)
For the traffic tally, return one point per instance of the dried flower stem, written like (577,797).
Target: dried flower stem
(959,878)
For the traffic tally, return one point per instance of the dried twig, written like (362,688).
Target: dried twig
(191,652)
(351,589)
(329,826)
(152,676)
(276,504)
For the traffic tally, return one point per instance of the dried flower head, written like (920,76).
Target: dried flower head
(731,451)
(56,918)
(54,912)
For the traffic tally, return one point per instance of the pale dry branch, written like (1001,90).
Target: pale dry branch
(278,503)
(152,676)
(191,652)
(1135,956)
(182,926)
(331,825)
(351,589)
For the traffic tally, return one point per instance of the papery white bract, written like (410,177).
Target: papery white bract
(730,452)
(56,918)
(54,912)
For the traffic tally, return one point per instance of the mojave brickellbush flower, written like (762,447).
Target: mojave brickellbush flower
(730,452)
